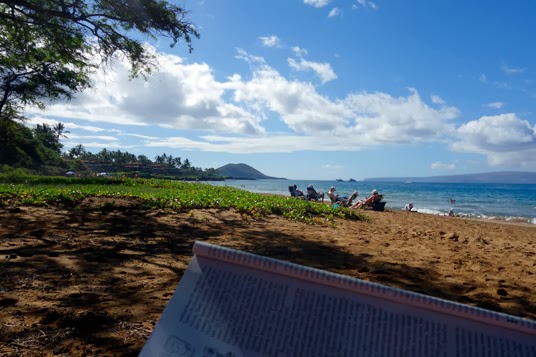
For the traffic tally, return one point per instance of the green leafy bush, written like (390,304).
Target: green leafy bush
(164,194)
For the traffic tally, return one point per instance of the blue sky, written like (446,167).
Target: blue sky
(319,89)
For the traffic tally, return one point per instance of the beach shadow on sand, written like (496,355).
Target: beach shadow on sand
(93,281)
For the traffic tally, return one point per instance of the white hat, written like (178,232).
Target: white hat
(374,191)
(332,188)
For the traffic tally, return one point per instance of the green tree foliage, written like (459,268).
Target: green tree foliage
(32,67)
(59,131)
(186,164)
(76,152)
(47,136)
(143,159)
(39,151)
(169,160)
(48,47)
(77,165)
(26,148)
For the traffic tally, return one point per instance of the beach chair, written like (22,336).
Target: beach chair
(294,193)
(377,205)
(341,201)
(312,195)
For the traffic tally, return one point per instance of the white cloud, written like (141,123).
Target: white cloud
(510,70)
(332,167)
(90,128)
(334,12)
(367,4)
(253,60)
(298,104)
(91,142)
(74,134)
(505,140)
(437,99)
(496,105)
(316,3)
(178,96)
(501,132)
(146,137)
(299,52)
(250,145)
(497,84)
(442,166)
(383,118)
(322,125)
(75,137)
(232,114)
(271,41)
(108,145)
(323,70)
(36,119)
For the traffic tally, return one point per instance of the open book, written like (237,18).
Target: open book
(232,303)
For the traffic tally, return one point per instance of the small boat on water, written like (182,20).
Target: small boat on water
(351,180)
(408,181)
(339,180)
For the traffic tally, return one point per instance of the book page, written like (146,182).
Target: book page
(224,309)
(358,286)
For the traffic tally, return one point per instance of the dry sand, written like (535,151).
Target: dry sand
(92,282)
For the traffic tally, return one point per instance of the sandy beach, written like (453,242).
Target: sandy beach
(92,281)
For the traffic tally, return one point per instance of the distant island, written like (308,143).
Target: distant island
(243,172)
(515,177)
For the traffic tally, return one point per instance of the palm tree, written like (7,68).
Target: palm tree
(104,155)
(45,134)
(59,130)
(77,151)
(170,160)
(177,162)
(186,164)
(143,159)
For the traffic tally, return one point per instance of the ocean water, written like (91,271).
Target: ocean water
(488,201)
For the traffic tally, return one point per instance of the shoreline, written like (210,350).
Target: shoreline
(489,202)
(477,219)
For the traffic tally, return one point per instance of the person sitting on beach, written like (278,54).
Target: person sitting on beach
(313,195)
(451,213)
(409,206)
(344,200)
(368,202)
(294,192)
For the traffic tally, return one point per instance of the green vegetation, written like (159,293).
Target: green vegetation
(49,50)
(39,151)
(161,194)
(34,150)
(124,163)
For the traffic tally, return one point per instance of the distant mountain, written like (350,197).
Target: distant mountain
(242,172)
(518,177)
